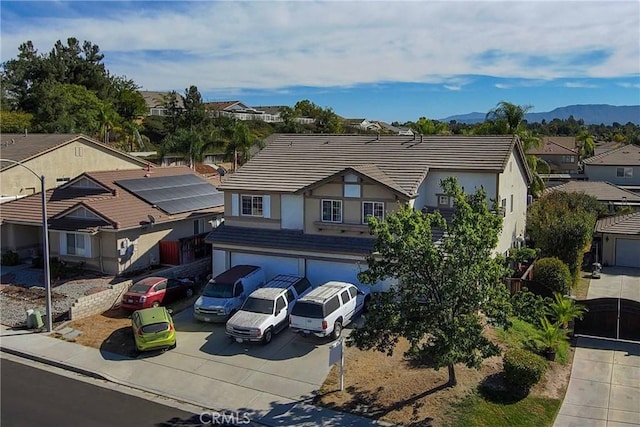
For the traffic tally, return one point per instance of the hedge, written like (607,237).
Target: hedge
(522,368)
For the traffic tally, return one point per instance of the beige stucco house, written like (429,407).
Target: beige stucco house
(300,206)
(118,221)
(59,157)
(620,240)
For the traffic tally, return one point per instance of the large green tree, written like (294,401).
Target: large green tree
(443,284)
(508,116)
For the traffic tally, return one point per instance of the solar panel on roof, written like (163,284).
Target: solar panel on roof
(175,194)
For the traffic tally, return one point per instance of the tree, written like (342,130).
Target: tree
(174,112)
(193,144)
(426,126)
(442,285)
(194,111)
(107,119)
(127,100)
(15,122)
(586,143)
(510,114)
(553,274)
(241,143)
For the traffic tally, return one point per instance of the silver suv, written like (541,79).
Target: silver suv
(266,311)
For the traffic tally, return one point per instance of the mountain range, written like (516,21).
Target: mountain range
(592,114)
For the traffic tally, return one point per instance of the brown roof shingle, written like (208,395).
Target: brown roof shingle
(622,224)
(627,155)
(603,191)
(113,203)
(291,162)
(551,147)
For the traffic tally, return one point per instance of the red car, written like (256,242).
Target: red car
(156,291)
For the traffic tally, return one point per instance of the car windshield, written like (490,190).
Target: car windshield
(155,327)
(307,309)
(139,288)
(258,305)
(218,290)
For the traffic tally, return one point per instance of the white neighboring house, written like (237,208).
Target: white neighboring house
(300,206)
(620,166)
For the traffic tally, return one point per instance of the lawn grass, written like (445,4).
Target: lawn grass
(521,335)
(532,411)
(581,288)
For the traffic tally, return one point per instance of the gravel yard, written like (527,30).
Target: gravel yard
(22,289)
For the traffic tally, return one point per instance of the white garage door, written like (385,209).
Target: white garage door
(319,272)
(628,253)
(272,265)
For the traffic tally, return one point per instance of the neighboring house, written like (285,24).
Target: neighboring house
(118,221)
(606,193)
(620,167)
(240,111)
(59,157)
(604,146)
(300,206)
(396,130)
(620,239)
(557,153)
(156,102)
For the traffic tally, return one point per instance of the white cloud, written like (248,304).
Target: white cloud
(630,85)
(503,86)
(580,85)
(271,45)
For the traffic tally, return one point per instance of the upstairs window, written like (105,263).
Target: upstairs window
(332,211)
(503,206)
(351,186)
(624,172)
(372,209)
(444,200)
(252,206)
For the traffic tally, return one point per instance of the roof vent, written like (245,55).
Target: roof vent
(13,141)
(421,138)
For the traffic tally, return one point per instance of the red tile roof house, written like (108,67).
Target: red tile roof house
(118,221)
(301,205)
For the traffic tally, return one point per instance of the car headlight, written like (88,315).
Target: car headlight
(256,332)
(229,328)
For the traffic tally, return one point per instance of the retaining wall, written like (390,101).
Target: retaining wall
(102,301)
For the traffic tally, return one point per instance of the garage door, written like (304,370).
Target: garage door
(272,265)
(628,253)
(319,272)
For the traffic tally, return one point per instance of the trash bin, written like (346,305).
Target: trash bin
(29,319)
(36,320)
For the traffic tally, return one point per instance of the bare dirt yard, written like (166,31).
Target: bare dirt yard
(394,390)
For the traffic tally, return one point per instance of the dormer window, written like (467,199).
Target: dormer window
(351,186)
(252,206)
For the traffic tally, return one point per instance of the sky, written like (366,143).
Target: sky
(380,60)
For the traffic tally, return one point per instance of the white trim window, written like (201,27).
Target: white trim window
(75,244)
(331,210)
(251,206)
(444,200)
(624,172)
(372,209)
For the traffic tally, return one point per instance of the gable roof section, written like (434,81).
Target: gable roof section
(603,191)
(551,147)
(621,224)
(222,105)
(291,162)
(627,155)
(155,99)
(569,142)
(119,208)
(22,148)
(370,171)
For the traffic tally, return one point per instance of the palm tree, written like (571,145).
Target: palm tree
(586,144)
(510,114)
(107,118)
(191,144)
(564,310)
(241,143)
(550,336)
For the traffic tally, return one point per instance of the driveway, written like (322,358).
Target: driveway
(290,366)
(616,282)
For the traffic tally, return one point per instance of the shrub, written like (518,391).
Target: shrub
(10,258)
(522,368)
(523,254)
(553,274)
(528,306)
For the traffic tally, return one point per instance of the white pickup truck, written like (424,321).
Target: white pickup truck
(266,311)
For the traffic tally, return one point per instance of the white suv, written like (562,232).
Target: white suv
(266,311)
(328,308)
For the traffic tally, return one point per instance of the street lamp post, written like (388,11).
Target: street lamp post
(45,242)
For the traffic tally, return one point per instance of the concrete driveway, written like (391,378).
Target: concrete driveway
(290,366)
(616,282)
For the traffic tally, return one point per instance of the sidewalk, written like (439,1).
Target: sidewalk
(172,382)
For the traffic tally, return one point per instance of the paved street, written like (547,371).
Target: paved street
(32,397)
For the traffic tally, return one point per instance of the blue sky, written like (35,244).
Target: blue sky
(381,60)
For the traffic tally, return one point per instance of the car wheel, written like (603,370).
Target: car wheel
(266,338)
(189,293)
(155,304)
(337,330)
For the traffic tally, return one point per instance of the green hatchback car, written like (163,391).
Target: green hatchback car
(153,329)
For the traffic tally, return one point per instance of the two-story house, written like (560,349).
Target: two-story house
(560,153)
(620,167)
(301,205)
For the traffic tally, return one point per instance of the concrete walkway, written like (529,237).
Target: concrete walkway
(604,389)
(175,382)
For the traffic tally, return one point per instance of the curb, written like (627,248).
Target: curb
(60,365)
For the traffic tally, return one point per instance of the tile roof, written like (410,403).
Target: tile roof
(603,191)
(155,99)
(621,224)
(117,206)
(551,147)
(565,141)
(627,155)
(289,239)
(292,162)
(21,147)
(220,105)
